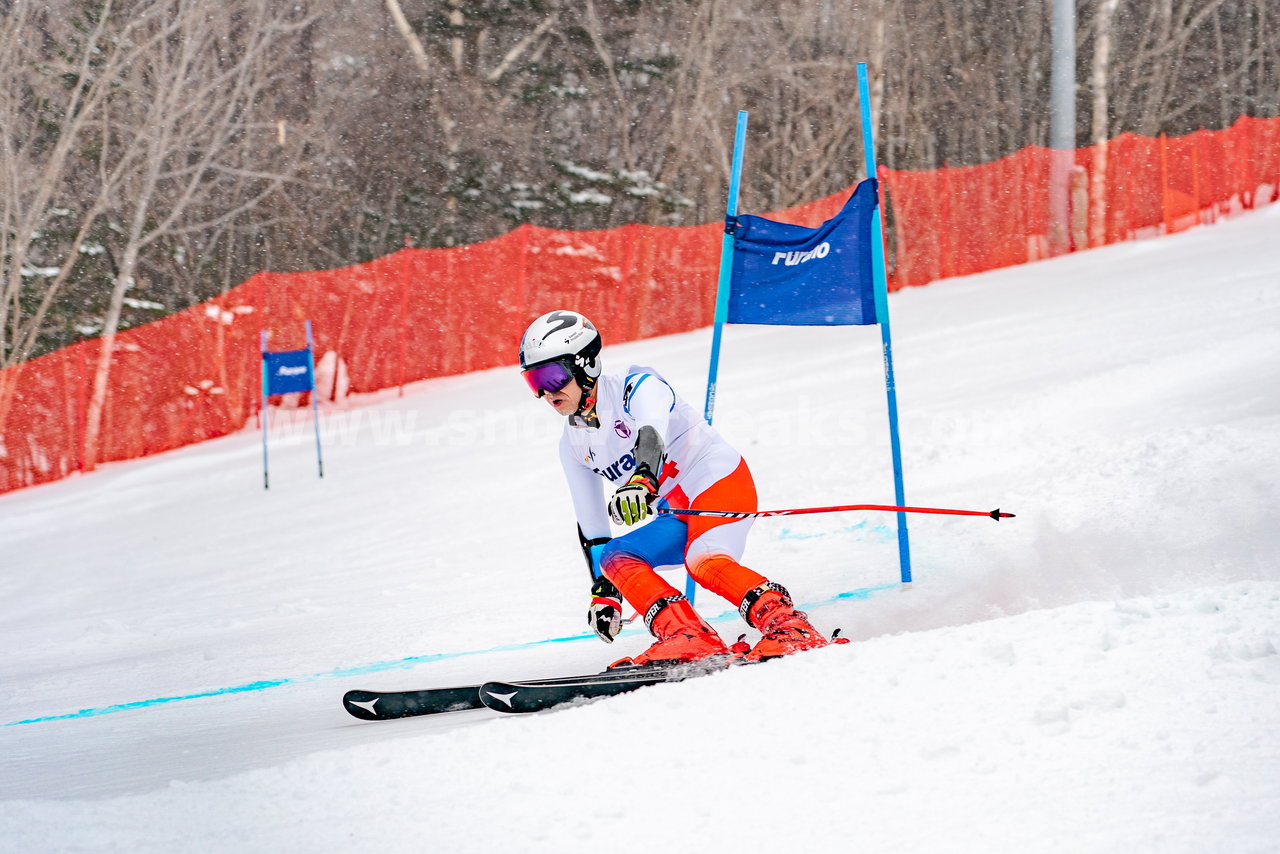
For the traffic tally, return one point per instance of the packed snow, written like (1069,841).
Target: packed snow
(1099,674)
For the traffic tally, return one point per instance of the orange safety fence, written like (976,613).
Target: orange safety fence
(957,221)
(421,313)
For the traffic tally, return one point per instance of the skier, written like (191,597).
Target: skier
(654,449)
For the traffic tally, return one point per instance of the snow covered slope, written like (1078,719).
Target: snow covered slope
(1099,673)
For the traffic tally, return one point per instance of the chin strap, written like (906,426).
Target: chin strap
(586,415)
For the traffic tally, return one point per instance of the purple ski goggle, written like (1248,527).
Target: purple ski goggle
(550,377)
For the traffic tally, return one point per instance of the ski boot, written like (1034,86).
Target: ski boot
(769,608)
(682,635)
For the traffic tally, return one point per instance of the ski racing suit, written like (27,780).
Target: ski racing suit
(700,471)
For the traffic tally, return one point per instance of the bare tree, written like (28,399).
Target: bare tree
(415,44)
(51,194)
(182,138)
(1151,91)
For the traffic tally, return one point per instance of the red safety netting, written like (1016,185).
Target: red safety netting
(952,222)
(422,313)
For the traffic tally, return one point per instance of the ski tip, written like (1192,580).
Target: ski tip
(499,696)
(361,704)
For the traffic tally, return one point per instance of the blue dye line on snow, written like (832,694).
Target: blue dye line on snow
(878,533)
(394,664)
(157,701)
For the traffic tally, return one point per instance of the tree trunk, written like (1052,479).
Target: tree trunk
(1101,129)
(90,454)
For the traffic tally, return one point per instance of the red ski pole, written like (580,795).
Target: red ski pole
(800,511)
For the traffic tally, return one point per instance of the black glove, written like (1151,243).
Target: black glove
(631,502)
(605,615)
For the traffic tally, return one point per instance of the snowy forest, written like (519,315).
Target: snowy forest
(154,154)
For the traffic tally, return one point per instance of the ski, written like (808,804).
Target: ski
(387,705)
(537,695)
(534,695)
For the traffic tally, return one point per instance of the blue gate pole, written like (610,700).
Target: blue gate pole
(315,394)
(726,265)
(262,413)
(882,316)
(722,288)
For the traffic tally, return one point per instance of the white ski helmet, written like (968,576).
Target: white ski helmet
(563,336)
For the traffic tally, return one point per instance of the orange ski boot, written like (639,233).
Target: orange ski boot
(682,635)
(769,608)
